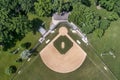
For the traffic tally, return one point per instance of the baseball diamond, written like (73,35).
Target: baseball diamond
(52,54)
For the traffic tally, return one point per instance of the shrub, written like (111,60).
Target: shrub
(98,33)
(11,69)
(19,60)
(104,24)
(26,45)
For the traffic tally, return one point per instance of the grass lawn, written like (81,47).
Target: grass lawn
(7,58)
(92,54)
(110,40)
(37,70)
(25,65)
(92,69)
(46,20)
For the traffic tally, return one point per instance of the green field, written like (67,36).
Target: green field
(92,68)
(7,58)
(110,40)
(37,70)
(103,53)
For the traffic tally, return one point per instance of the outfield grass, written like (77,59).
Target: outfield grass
(110,40)
(38,71)
(39,48)
(7,58)
(92,69)
(92,54)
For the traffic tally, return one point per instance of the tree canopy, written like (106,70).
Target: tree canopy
(110,5)
(117,7)
(86,2)
(104,24)
(48,7)
(14,29)
(11,69)
(107,4)
(43,7)
(86,19)
(98,33)
(13,21)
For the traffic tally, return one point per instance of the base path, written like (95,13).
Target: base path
(63,63)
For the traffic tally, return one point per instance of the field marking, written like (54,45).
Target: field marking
(62,45)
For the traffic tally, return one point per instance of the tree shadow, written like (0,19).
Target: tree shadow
(8,45)
(26,45)
(36,23)
(86,2)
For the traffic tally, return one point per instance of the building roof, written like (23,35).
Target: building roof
(52,26)
(42,30)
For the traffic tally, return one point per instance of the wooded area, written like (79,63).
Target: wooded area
(14,23)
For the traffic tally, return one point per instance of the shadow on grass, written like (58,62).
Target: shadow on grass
(36,23)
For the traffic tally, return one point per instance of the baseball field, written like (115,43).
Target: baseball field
(37,70)
(70,61)
(79,62)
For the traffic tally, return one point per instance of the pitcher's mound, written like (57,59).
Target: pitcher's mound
(58,62)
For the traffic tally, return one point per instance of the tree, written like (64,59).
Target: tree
(48,7)
(21,25)
(107,4)
(67,6)
(98,33)
(14,29)
(117,7)
(86,2)
(13,21)
(86,19)
(19,60)
(77,14)
(11,69)
(113,16)
(5,37)
(26,5)
(63,5)
(104,24)
(56,5)
(36,24)
(43,7)
(26,45)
